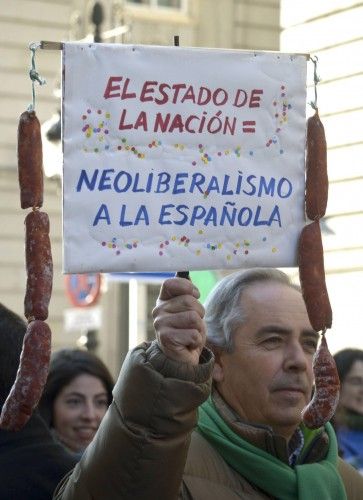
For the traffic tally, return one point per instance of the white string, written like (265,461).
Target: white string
(33,73)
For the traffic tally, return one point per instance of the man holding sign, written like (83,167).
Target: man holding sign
(168,436)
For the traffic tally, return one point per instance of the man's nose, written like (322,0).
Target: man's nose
(295,357)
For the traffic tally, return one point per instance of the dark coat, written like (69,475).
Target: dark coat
(31,462)
(142,450)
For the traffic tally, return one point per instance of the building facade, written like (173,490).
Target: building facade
(239,24)
(332,32)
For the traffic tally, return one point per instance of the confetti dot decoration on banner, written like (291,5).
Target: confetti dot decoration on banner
(125,146)
(94,126)
(281,106)
(240,248)
(184,241)
(163,245)
(206,157)
(214,246)
(154,144)
(112,245)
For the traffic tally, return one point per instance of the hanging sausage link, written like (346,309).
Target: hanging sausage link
(30,161)
(30,379)
(312,277)
(39,266)
(326,396)
(316,189)
(35,355)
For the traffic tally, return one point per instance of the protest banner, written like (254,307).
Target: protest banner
(181,158)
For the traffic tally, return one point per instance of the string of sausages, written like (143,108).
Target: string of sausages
(312,276)
(35,355)
(34,359)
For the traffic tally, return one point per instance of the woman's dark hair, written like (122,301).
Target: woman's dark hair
(345,359)
(66,365)
(12,331)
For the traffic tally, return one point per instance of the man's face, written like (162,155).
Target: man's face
(268,377)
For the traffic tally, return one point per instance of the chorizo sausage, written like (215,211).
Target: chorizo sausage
(316,187)
(326,396)
(30,378)
(30,161)
(312,277)
(39,266)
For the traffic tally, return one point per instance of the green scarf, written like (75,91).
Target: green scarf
(317,481)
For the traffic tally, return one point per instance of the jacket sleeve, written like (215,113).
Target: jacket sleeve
(352,479)
(140,449)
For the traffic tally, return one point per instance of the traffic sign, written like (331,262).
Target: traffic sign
(83,290)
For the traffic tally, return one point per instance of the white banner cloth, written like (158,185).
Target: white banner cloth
(181,158)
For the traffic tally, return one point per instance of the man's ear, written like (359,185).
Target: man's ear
(218,374)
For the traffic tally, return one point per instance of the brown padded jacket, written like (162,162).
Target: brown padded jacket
(143,449)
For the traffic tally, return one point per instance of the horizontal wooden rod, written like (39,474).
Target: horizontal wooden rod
(45,45)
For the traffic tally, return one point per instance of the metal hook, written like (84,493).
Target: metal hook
(33,73)
(314,104)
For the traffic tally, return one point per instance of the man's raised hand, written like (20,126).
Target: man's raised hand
(178,321)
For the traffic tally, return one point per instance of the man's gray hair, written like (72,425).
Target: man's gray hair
(223,309)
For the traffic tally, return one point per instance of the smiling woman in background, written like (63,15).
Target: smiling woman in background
(76,396)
